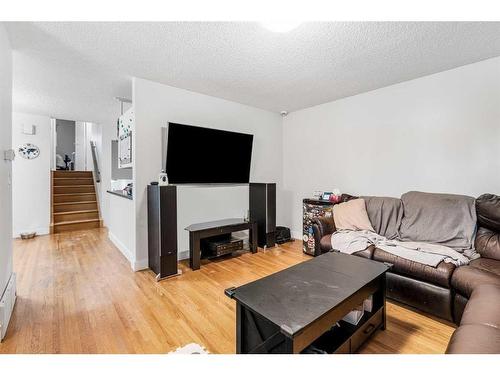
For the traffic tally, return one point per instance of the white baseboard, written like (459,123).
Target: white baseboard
(123,249)
(39,231)
(181,255)
(136,265)
(140,265)
(7,302)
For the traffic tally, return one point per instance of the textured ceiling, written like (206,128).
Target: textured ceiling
(59,65)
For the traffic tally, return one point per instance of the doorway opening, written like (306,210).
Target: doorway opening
(65,145)
(72,143)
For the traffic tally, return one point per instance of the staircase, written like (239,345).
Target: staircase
(74,202)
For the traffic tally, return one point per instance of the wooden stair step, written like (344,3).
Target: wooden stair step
(68,226)
(57,174)
(73,189)
(68,203)
(75,221)
(70,216)
(72,194)
(73,197)
(74,206)
(74,212)
(72,181)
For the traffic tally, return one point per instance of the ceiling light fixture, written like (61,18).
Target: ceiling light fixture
(281,27)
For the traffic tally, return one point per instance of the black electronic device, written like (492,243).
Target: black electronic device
(203,155)
(283,235)
(220,245)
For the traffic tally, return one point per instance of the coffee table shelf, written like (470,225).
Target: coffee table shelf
(347,338)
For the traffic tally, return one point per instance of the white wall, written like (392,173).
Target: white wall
(197,204)
(439,133)
(118,213)
(31,178)
(155,105)
(121,226)
(5,166)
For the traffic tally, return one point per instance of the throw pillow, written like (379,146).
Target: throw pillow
(352,215)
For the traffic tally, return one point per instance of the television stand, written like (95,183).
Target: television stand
(214,228)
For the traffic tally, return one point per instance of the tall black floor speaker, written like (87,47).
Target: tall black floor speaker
(263,211)
(162,230)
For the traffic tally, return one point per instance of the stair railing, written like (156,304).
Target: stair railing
(97,172)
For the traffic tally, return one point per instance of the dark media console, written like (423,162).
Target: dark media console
(162,228)
(200,231)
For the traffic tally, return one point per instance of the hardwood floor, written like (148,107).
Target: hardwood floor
(77,294)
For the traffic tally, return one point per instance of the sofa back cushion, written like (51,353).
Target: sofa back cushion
(351,215)
(444,219)
(488,211)
(385,215)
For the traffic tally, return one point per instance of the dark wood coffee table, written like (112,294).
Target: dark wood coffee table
(288,311)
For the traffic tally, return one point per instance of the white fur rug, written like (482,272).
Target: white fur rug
(190,349)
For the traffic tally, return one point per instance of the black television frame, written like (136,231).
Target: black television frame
(165,139)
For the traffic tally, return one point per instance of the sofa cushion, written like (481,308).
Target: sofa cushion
(351,215)
(488,243)
(385,215)
(479,272)
(474,339)
(440,275)
(488,211)
(443,219)
(424,296)
(483,306)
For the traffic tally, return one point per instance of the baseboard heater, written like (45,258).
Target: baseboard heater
(7,302)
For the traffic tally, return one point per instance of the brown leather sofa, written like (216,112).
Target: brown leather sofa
(443,290)
(479,331)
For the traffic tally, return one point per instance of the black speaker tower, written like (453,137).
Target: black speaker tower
(263,212)
(162,230)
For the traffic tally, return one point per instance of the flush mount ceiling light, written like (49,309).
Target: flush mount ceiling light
(281,27)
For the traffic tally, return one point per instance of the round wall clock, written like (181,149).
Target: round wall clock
(29,151)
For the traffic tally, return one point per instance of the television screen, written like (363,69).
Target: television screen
(203,155)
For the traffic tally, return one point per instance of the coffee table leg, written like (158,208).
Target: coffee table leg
(238,328)
(384,312)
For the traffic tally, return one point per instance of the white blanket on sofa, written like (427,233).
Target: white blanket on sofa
(349,242)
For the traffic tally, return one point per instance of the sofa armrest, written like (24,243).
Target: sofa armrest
(322,226)
(488,243)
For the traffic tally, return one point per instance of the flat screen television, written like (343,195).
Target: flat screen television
(197,155)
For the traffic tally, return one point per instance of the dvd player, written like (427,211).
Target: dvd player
(217,246)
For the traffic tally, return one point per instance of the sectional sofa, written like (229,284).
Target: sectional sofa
(446,291)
